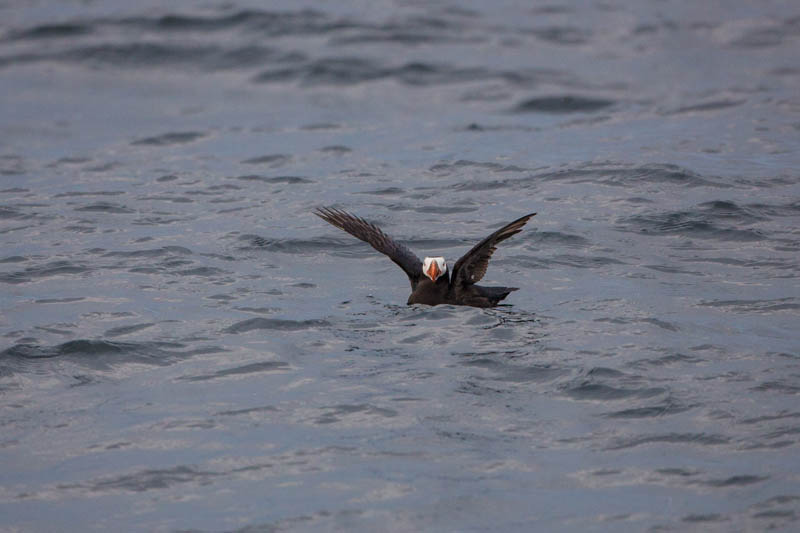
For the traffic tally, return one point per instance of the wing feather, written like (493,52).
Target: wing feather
(371,234)
(472,265)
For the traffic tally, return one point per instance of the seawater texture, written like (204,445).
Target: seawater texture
(185,347)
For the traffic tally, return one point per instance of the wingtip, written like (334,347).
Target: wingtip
(525,218)
(326,212)
(331,210)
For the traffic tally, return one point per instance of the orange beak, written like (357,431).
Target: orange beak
(433,271)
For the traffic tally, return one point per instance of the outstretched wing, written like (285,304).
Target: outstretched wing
(361,229)
(472,265)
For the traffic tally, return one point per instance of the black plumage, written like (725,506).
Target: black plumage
(437,285)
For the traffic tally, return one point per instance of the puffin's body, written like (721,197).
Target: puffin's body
(431,281)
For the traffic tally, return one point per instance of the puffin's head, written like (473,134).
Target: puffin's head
(433,267)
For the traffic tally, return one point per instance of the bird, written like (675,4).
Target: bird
(432,282)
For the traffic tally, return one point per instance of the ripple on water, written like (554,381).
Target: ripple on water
(705,107)
(514,373)
(287,180)
(294,246)
(105,207)
(168,139)
(555,239)
(143,480)
(150,253)
(756,32)
(608,384)
(336,149)
(387,191)
(127,330)
(97,355)
(275,324)
(340,413)
(201,271)
(51,31)
(735,481)
(248,411)
(350,70)
(563,35)
(252,368)
(603,392)
(666,408)
(14,259)
(693,439)
(45,271)
(706,221)
(566,103)
(446,169)
(625,176)
(272,160)
(755,306)
(71,194)
(9,212)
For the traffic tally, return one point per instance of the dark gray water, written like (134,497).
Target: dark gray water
(186,347)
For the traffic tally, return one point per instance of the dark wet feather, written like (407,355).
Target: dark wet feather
(361,229)
(472,265)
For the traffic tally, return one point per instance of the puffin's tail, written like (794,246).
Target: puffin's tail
(496,294)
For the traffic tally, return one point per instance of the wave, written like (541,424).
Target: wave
(275,324)
(273,160)
(623,176)
(704,107)
(339,244)
(166,259)
(604,392)
(105,207)
(462,164)
(514,373)
(563,35)
(142,480)
(608,384)
(292,246)
(337,413)
(97,355)
(47,270)
(566,103)
(286,180)
(561,260)
(354,70)
(610,174)
(755,306)
(168,139)
(665,408)
(709,220)
(757,33)
(272,23)
(693,439)
(8,212)
(252,368)
(154,55)
(116,43)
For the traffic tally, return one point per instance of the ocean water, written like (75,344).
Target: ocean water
(185,347)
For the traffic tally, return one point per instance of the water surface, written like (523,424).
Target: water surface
(185,347)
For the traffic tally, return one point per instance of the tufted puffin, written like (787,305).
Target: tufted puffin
(431,283)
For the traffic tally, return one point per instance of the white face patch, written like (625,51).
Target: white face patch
(440,265)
